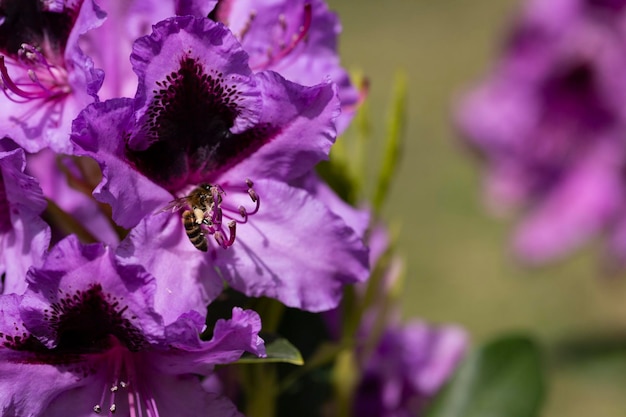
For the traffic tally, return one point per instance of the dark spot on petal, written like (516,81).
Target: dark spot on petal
(85,320)
(188,127)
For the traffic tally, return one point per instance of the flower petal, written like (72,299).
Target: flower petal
(79,284)
(231,338)
(24,236)
(159,244)
(98,132)
(581,206)
(294,249)
(304,119)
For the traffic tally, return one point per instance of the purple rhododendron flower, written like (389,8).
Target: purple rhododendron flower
(296,38)
(201,118)
(46,80)
(550,121)
(410,364)
(24,236)
(85,339)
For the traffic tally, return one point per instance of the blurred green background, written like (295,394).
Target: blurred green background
(459,267)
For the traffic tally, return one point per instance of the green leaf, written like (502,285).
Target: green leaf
(502,379)
(278,350)
(393,143)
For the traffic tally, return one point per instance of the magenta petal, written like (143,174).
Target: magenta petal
(268,37)
(231,338)
(294,249)
(125,22)
(176,41)
(357,219)
(305,119)
(183,396)
(433,354)
(98,132)
(49,169)
(73,272)
(24,236)
(185,278)
(26,384)
(579,208)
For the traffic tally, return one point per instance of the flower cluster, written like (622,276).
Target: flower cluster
(550,121)
(152,154)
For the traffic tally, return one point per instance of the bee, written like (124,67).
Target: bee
(201,201)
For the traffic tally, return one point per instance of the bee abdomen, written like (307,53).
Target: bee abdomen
(194,231)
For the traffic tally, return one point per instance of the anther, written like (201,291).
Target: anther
(97,409)
(232,228)
(114,388)
(32,76)
(247,26)
(253,195)
(112,408)
(219,238)
(249,183)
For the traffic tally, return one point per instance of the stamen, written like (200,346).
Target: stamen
(121,363)
(253,195)
(247,25)
(232,229)
(38,79)
(219,238)
(10,85)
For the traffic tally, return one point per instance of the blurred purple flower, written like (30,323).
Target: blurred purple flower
(409,365)
(202,117)
(45,77)
(24,236)
(550,122)
(85,339)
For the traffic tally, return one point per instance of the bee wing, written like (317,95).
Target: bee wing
(174,205)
